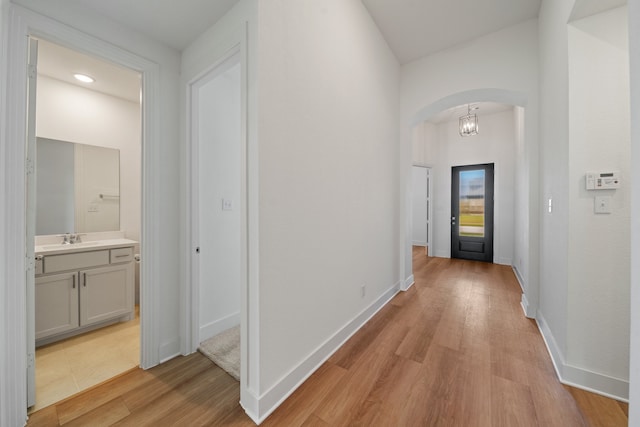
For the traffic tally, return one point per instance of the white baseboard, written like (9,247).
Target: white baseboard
(503,261)
(442,254)
(260,408)
(214,328)
(518,277)
(250,403)
(524,302)
(408,282)
(169,350)
(419,243)
(574,376)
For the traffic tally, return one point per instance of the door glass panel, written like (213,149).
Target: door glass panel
(471,203)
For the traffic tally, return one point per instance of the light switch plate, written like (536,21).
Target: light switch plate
(602,204)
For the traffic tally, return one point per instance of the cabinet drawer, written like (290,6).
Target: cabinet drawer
(54,263)
(121,255)
(39,265)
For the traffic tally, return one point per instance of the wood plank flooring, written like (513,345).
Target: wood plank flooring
(455,350)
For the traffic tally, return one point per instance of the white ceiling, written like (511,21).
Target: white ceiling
(415,28)
(584,8)
(175,23)
(61,63)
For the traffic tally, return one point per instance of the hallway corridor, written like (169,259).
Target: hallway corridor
(455,350)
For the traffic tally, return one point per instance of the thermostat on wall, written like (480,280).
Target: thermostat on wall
(602,180)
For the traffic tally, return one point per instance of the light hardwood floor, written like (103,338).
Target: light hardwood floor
(455,350)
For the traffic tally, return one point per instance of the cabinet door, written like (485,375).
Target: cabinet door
(106,293)
(56,305)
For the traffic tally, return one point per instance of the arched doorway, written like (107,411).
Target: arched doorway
(525,164)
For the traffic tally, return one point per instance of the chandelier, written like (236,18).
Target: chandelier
(469,123)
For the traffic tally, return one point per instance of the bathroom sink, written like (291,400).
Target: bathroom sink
(71,245)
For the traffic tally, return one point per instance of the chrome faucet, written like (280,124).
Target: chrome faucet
(75,238)
(71,238)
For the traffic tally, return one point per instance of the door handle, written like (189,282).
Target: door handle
(74,282)
(84,280)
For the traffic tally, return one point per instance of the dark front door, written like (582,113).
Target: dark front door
(472,212)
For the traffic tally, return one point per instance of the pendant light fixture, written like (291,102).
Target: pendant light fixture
(469,123)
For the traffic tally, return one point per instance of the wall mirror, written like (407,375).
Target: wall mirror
(77,188)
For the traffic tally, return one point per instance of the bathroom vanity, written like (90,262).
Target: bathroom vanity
(82,286)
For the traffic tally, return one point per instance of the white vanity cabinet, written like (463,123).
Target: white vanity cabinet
(105,293)
(56,304)
(78,291)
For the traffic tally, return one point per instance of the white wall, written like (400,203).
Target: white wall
(71,113)
(584,291)
(10,393)
(504,60)
(554,161)
(424,131)
(328,129)
(599,244)
(634,58)
(521,213)
(496,143)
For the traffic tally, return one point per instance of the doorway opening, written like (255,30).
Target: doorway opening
(438,143)
(84,313)
(422,208)
(218,212)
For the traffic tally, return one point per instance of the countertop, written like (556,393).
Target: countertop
(85,246)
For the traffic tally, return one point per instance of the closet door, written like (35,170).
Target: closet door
(217,133)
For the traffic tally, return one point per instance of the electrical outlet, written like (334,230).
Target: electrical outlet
(227,205)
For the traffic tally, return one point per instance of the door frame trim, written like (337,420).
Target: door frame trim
(492,231)
(24,23)
(429,169)
(238,41)
(193,150)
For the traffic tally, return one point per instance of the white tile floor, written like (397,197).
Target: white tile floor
(67,367)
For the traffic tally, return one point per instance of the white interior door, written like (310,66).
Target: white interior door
(429,208)
(31,222)
(216,105)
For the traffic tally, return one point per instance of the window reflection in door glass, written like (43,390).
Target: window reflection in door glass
(471,203)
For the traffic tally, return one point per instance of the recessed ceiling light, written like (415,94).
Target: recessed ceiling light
(84,78)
